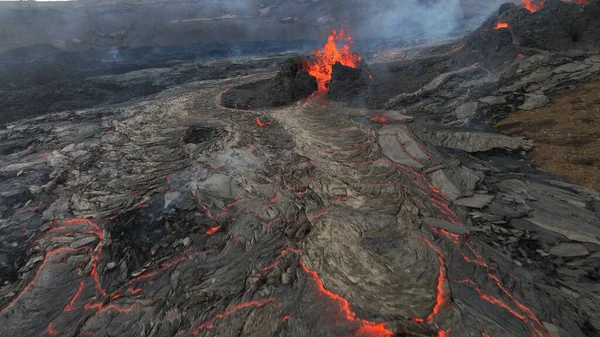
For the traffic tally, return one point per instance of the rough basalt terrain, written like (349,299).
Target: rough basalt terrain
(291,83)
(169,214)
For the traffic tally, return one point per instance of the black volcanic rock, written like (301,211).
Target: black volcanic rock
(347,84)
(289,85)
(506,7)
(557,25)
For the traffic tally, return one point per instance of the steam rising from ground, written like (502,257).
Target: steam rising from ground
(426,18)
(415,17)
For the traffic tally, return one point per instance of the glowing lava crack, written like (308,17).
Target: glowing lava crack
(366,328)
(314,219)
(325,59)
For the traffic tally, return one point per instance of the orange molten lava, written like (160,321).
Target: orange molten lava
(366,328)
(535,5)
(261,124)
(212,230)
(326,58)
(501,25)
(379,119)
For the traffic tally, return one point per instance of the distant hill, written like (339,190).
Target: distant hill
(87,24)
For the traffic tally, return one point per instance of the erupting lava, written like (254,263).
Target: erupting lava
(533,6)
(326,58)
(500,25)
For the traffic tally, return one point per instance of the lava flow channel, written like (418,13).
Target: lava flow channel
(210,323)
(438,201)
(443,291)
(501,25)
(325,59)
(76,302)
(366,328)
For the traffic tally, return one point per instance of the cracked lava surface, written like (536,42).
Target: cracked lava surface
(171,215)
(296,223)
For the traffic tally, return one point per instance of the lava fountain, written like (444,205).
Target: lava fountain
(326,58)
(533,6)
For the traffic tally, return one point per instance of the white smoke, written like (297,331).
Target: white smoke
(418,18)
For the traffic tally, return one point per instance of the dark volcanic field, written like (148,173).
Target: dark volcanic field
(42,79)
(149,197)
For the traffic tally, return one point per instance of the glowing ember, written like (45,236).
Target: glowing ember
(261,124)
(444,333)
(326,58)
(443,291)
(209,324)
(212,230)
(366,328)
(535,5)
(500,25)
(532,5)
(379,119)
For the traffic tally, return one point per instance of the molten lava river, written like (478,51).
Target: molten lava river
(179,217)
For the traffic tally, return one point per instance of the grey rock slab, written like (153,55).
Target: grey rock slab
(552,329)
(391,148)
(83,241)
(450,227)
(516,186)
(441,181)
(534,100)
(16,167)
(476,201)
(580,190)
(566,249)
(434,168)
(553,209)
(433,85)
(411,145)
(572,53)
(576,224)
(58,210)
(533,62)
(564,195)
(493,100)
(467,110)
(466,179)
(476,141)
(570,68)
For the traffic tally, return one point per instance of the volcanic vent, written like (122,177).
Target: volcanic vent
(332,70)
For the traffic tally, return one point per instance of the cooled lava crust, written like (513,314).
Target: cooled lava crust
(291,83)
